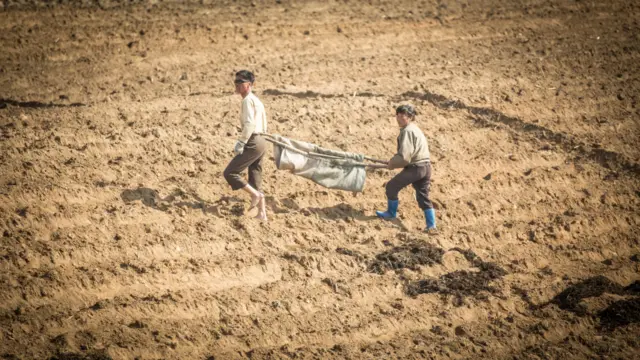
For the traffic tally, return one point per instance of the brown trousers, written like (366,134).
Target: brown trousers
(419,176)
(250,158)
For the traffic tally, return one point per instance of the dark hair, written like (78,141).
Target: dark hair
(406,109)
(246,76)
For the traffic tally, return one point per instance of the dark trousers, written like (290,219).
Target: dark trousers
(250,158)
(419,176)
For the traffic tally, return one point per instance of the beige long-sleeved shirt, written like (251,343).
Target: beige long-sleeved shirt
(253,118)
(412,147)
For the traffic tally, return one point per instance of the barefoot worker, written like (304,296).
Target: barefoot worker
(413,157)
(250,147)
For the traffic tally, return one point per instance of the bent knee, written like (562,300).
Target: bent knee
(228,174)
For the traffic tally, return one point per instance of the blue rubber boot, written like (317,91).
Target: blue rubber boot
(430,216)
(392,210)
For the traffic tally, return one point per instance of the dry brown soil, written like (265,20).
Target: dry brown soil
(119,237)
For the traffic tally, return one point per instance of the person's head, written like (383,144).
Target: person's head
(243,81)
(405,114)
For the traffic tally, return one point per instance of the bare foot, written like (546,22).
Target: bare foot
(262,210)
(255,200)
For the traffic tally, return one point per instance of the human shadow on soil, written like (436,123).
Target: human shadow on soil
(281,206)
(337,212)
(349,214)
(618,313)
(180,198)
(340,211)
(570,299)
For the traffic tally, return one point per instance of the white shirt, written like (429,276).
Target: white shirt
(253,118)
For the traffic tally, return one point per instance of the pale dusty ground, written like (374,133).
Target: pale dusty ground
(121,239)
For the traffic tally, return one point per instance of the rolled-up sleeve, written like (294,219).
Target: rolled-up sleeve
(247,119)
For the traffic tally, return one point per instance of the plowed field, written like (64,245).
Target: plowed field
(119,237)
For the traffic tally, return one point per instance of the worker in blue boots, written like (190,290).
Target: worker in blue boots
(413,157)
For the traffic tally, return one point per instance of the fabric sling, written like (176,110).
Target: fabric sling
(330,168)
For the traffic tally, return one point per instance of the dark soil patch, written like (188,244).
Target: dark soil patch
(237,210)
(138,269)
(620,313)
(74,356)
(462,283)
(570,299)
(408,256)
(633,288)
